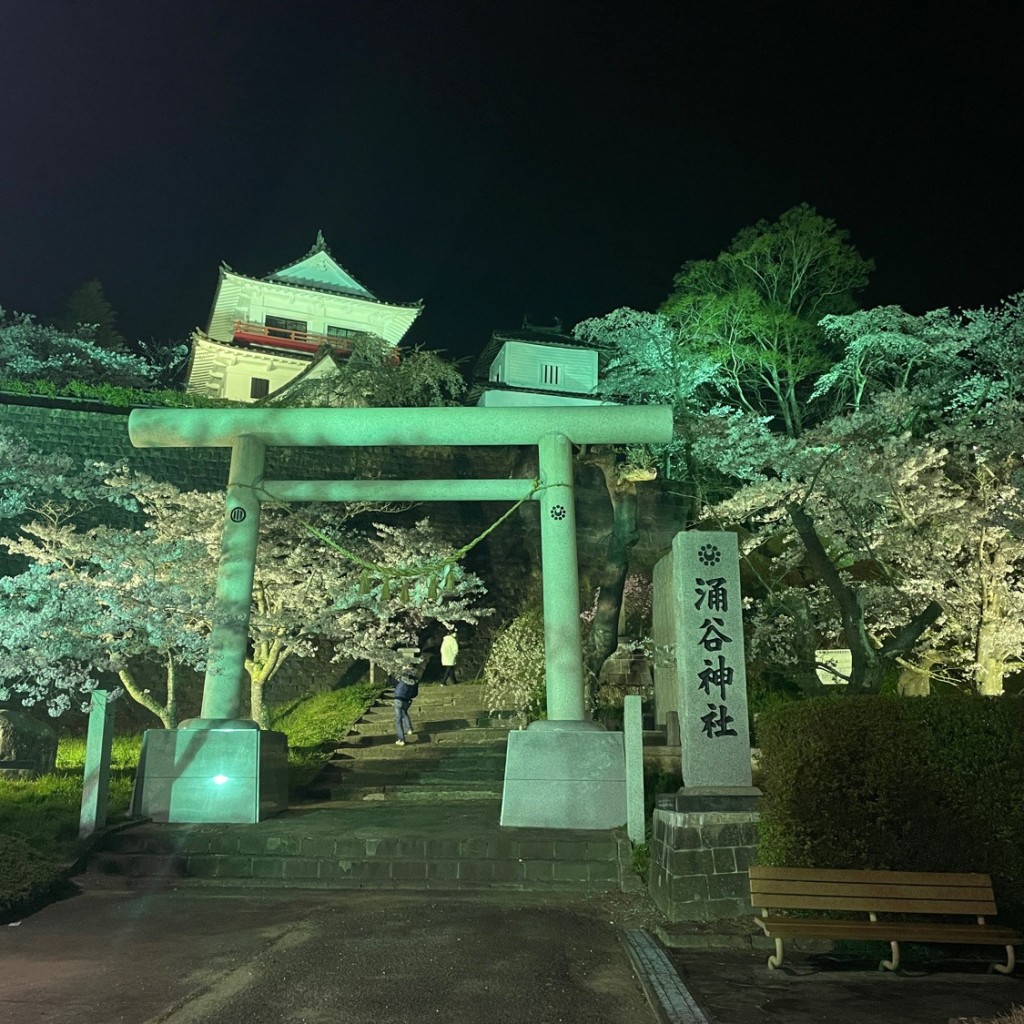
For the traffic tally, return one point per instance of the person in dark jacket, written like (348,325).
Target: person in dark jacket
(406,689)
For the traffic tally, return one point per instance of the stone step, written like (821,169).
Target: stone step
(455,790)
(449,845)
(383,725)
(424,735)
(418,771)
(420,748)
(387,774)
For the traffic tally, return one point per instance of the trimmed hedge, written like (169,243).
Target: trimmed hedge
(891,783)
(26,875)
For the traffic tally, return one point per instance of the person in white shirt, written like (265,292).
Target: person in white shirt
(449,655)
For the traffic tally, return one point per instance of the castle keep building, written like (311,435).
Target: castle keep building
(263,332)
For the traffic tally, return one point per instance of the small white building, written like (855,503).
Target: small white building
(536,366)
(263,332)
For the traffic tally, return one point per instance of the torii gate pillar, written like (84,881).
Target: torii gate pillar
(565,772)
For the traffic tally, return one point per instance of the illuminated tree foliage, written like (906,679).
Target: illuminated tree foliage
(755,309)
(101,600)
(955,363)
(96,600)
(109,601)
(306,592)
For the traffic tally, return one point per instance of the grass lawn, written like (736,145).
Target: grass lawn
(39,818)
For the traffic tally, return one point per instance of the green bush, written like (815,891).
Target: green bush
(26,875)
(514,672)
(914,784)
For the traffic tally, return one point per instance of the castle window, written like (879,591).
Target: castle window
(259,387)
(550,373)
(282,327)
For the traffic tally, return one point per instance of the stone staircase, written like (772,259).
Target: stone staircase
(456,753)
(422,816)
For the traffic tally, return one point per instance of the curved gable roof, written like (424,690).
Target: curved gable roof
(318,269)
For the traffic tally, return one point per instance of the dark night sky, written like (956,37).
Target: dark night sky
(499,159)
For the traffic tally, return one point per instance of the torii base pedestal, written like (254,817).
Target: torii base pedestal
(236,775)
(566,775)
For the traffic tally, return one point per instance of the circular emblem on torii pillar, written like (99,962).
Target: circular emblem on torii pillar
(558,512)
(237,515)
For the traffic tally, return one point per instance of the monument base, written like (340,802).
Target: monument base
(703,841)
(565,775)
(237,775)
(711,798)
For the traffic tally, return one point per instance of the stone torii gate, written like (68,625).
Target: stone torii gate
(221,768)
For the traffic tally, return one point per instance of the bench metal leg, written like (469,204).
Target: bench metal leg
(1006,968)
(893,964)
(776,961)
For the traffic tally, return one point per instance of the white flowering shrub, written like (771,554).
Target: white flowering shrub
(514,671)
(31,351)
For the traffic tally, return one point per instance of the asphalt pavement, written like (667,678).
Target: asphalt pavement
(298,957)
(236,956)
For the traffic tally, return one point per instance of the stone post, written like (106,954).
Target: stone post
(229,639)
(96,774)
(563,648)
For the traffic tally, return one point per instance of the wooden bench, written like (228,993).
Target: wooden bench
(872,893)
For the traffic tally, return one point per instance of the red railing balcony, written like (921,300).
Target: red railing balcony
(290,341)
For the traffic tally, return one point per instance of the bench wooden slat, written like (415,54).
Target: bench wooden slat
(875,903)
(888,931)
(892,877)
(773,887)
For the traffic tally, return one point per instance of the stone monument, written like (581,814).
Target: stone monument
(705,835)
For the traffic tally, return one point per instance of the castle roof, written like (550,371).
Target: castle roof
(318,269)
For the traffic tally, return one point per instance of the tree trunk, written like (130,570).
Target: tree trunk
(172,695)
(869,662)
(989,651)
(143,698)
(990,663)
(805,674)
(261,670)
(604,630)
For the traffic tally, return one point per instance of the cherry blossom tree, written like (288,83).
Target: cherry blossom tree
(905,548)
(322,578)
(955,363)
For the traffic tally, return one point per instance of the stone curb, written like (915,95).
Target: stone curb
(664,989)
